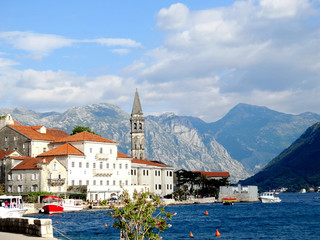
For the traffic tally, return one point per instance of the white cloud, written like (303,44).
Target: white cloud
(173,18)
(41,45)
(121,51)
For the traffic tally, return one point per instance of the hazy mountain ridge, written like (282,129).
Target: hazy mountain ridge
(296,167)
(252,135)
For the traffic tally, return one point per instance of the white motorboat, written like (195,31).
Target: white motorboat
(11,206)
(72,205)
(268,197)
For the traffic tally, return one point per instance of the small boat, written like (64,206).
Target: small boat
(228,201)
(72,205)
(268,197)
(52,204)
(11,206)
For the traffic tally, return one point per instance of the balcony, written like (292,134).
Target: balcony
(56,181)
(102,172)
(102,156)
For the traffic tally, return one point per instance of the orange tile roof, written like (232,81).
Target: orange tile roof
(214,174)
(5,153)
(85,136)
(146,162)
(63,150)
(121,155)
(30,162)
(32,133)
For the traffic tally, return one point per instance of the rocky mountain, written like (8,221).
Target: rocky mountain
(254,135)
(169,138)
(247,136)
(296,167)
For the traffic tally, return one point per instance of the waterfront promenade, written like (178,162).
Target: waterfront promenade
(17,236)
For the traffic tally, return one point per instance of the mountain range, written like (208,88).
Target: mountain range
(242,142)
(295,168)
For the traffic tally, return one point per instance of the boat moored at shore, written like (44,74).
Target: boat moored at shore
(52,204)
(11,206)
(72,205)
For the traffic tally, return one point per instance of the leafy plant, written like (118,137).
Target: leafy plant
(140,217)
(79,129)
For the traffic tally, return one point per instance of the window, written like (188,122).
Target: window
(80,182)
(170,173)
(120,166)
(33,188)
(101,165)
(19,176)
(20,188)
(87,182)
(14,138)
(80,164)
(72,182)
(131,171)
(159,186)
(87,165)
(107,182)
(94,182)
(159,173)
(34,176)
(120,182)
(170,186)
(108,165)
(155,173)
(144,172)
(147,172)
(167,173)
(94,165)
(134,126)
(140,125)
(127,182)
(110,151)
(44,149)
(59,188)
(72,164)
(135,172)
(90,150)
(6,139)
(114,182)
(155,186)
(23,146)
(126,166)
(101,150)
(48,188)
(10,177)
(54,167)
(9,188)
(167,186)
(101,182)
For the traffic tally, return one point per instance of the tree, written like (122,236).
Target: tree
(79,129)
(140,217)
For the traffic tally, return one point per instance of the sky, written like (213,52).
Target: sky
(192,58)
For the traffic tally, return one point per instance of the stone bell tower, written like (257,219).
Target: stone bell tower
(137,129)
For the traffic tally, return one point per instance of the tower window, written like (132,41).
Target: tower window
(134,126)
(140,125)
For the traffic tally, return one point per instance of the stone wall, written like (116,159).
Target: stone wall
(31,226)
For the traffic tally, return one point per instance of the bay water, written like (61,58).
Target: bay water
(296,217)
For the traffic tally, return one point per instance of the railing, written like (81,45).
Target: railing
(56,181)
(102,156)
(102,172)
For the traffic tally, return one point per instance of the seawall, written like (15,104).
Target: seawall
(30,226)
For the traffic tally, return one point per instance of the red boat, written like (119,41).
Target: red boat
(52,204)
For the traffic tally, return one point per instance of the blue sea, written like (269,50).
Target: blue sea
(296,217)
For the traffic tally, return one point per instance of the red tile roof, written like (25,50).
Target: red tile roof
(32,133)
(121,155)
(5,153)
(146,162)
(63,150)
(214,174)
(30,162)
(85,136)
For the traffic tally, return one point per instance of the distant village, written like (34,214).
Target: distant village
(40,159)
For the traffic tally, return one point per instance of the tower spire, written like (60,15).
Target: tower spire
(137,129)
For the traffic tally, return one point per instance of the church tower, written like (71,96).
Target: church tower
(137,129)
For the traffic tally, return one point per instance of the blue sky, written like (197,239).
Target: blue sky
(197,58)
